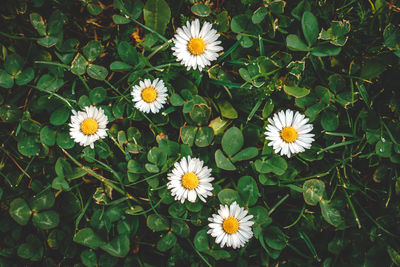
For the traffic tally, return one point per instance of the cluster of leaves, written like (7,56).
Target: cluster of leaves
(335,61)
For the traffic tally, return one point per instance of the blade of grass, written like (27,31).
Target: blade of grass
(228,52)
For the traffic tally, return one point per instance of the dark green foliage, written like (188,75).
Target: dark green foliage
(336,204)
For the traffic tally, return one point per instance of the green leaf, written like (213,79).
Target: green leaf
(275,238)
(200,113)
(64,140)
(313,191)
(232,141)
(50,83)
(88,258)
(120,66)
(259,15)
(97,72)
(228,196)
(13,64)
(92,50)
(200,241)
(176,100)
(29,146)
(20,211)
(157,222)
(132,8)
(248,190)
(245,154)
(128,53)
(166,242)
(275,164)
(394,255)
(219,125)
(48,41)
(120,19)
(296,91)
(201,10)
(9,113)
(219,254)
(260,215)
(118,247)
(78,65)
(180,228)
(38,23)
(56,22)
(94,9)
(24,77)
(97,95)
(59,183)
(325,51)
(310,28)
(222,21)
(88,238)
(329,120)
(188,134)
(383,148)
(6,80)
(294,43)
(60,116)
(330,214)
(227,110)
(43,201)
(46,219)
(156,156)
(204,136)
(372,68)
(157,15)
(240,23)
(223,162)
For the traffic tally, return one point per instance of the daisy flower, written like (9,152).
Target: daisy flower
(196,46)
(231,226)
(190,179)
(88,126)
(149,96)
(289,134)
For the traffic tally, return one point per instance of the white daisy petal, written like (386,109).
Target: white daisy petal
(149,96)
(231,226)
(88,126)
(190,179)
(204,48)
(289,133)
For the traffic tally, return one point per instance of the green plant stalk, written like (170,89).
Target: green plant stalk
(339,145)
(150,30)
(298,218)
(101,178)
(352,208)
(198,253)
(373,220)
(310,245)
(166,44)
(277,204)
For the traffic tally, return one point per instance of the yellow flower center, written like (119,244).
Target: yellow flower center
(89,126)
(190,180)
(149,95)
(289,134)
(196,46)
(230,225)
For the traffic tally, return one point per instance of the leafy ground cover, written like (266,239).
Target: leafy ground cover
(335,204)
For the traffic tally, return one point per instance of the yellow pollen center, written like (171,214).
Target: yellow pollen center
(149,95)
(196,46)
(190,180)
(89,126)
(289,134)
(230,225)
